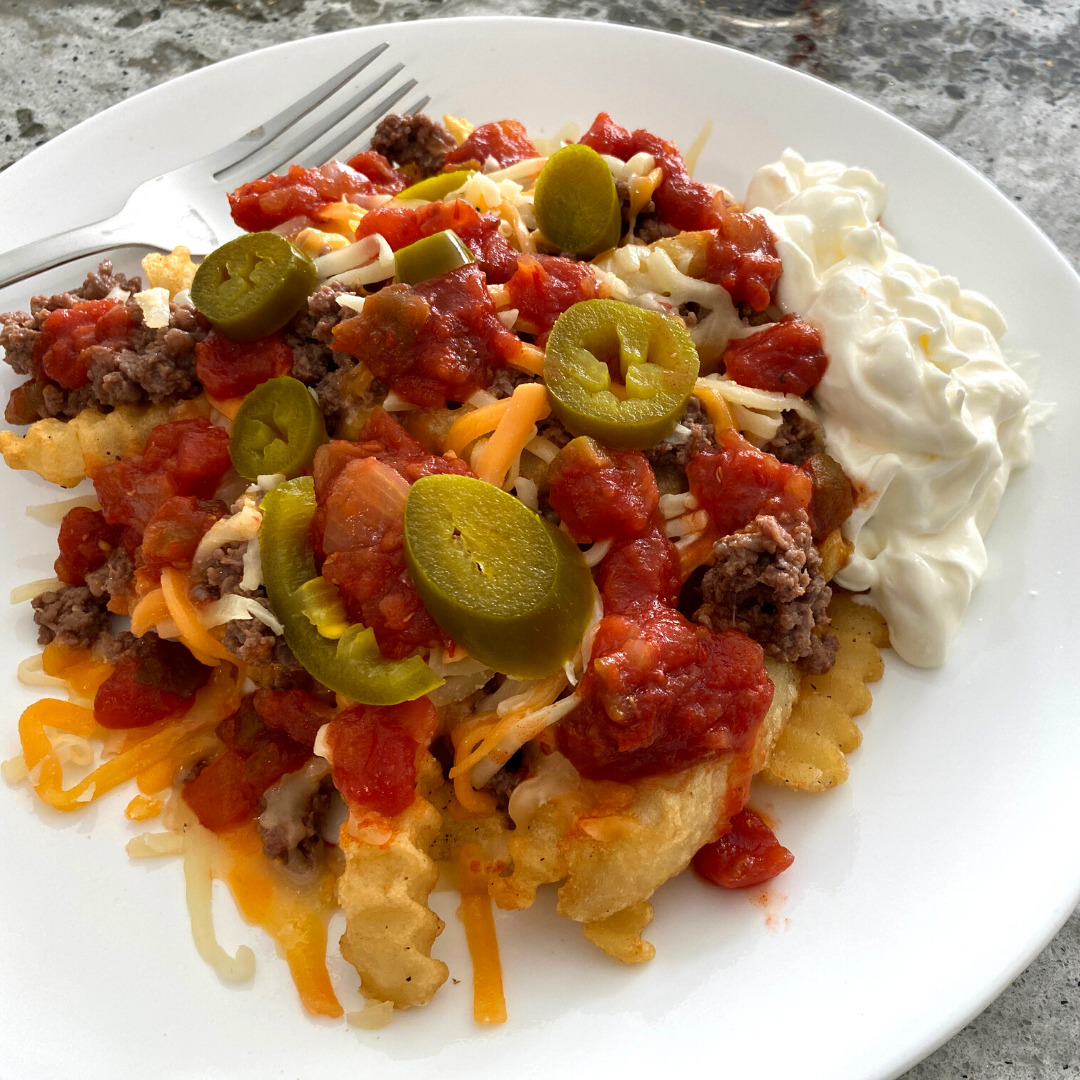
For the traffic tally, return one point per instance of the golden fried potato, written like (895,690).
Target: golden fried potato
(66,453)
(619,935)
(174,271)
(809,754)
(460,128)
(389,928)
(616,844)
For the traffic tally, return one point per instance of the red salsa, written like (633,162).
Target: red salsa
(226,792)
(681,202)
(504,140)
(264,204)
(228,368)
(659,693)
(373,750)
(739,482)
(400,226)
(153,684)
(742,257)
(86,542)
(361,489)
(62,354)
(747,854)
(785,357)
(174,532)
(544,286)
(431,342)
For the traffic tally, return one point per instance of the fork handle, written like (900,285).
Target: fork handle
(63,247)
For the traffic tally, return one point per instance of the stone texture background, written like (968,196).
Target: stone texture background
(997,84)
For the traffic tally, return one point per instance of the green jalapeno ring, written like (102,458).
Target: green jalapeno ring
(576,203)
(652,352)
(430,257)
(504,584)
(353,665)
(437,187)
(277,429)
(253,285)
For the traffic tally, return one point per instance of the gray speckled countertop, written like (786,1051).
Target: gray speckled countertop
(998,85)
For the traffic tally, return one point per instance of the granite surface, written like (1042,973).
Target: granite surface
(997,84)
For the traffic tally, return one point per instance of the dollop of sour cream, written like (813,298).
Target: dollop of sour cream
(918,403)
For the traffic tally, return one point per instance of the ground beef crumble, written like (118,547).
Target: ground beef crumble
(72,616)
(767,582)
(796,439)
(149,365)
(115,578)
(416,141)
(701,439)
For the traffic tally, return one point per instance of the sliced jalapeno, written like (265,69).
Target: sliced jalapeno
(653,355)
(277,430)
(575,202)
(253,285)
(435,188)
(504,584)
(436,254)
(352,665)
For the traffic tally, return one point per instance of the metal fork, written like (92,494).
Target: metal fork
(189,206)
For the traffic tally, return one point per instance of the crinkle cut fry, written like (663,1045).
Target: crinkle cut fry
(389,928)
(657,835)
(65,453)
(810,753)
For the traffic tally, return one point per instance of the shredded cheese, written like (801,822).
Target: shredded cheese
(489,1001)
(174,585)
(21,593)
(515,428)
(52,513)
(471,425)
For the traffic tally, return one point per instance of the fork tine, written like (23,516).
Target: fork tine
(285,153)
(336,143)
(418,106)
(247,145)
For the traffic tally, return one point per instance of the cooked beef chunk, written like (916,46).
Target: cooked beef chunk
(649,228)
(701,438)
(72,617)
(113,649)
(767,582)
(552,429)
(311,333)
(147,365)
(222,573)
(292,809)
(507,380)
(115,578)
(413,140)
(796,439)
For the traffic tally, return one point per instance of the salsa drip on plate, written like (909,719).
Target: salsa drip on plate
(469,508)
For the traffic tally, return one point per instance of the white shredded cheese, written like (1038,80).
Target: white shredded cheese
(52,513)
(253,576)
(243,525)
(21,593)
(235,606)
(155,307)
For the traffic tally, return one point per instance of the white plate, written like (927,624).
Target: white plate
(920,887)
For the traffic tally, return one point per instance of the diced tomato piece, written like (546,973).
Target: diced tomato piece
(439,340)
(506,141)
(226,793)
(131,495)
(174,532)
(602,494)
(373,751)
(263,204)
(60,353)
(739,482)
(785,357)
(294,712)
(86,542)
(229,368)
(741,256)
(400,226)
(145,689)
(680,201)
(544,286)
(641,570)
(195,453)
(661,694)
(748,854)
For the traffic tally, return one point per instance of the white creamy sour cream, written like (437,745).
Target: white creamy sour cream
(918,404)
